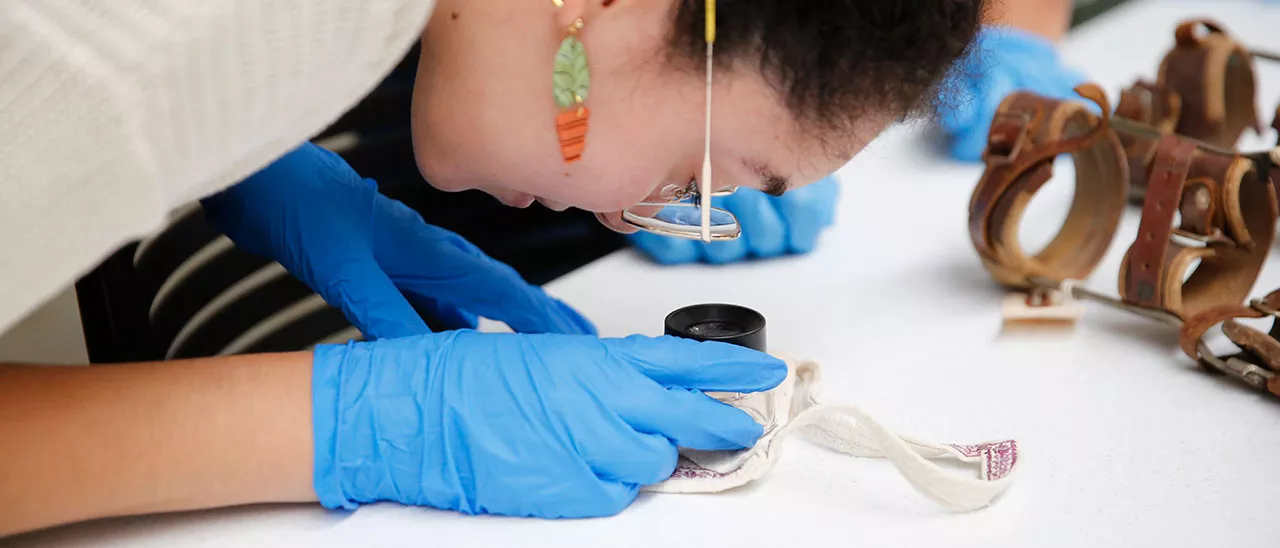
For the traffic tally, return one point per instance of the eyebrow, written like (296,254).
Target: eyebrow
(771,182)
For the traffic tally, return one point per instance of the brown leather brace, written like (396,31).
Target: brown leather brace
(1257,349)
(1228,222)
(1027,134)
(1154,106)
(1205,91)
(1212,75)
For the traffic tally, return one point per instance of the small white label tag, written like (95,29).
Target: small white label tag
(1042,306)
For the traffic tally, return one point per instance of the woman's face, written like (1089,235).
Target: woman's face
(484,114)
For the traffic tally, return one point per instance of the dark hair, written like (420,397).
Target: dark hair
(834,60)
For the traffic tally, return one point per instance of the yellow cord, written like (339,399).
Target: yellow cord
(711,21)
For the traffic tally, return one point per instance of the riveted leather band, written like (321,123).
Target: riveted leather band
(1027,134)
(1146,257)
(1214,255)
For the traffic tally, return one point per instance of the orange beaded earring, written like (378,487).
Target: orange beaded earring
(570,84)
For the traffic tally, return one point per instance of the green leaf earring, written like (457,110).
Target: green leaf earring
(570,85)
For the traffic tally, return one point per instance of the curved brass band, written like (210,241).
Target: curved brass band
(1029,131)
(1228,224)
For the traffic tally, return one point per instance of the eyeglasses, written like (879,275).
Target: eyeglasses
(686,212)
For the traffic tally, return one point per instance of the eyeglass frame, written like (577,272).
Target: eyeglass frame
(704,194)
(687,196)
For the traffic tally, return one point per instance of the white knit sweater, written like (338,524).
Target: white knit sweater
(115,112)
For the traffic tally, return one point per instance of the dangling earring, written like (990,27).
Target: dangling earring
(570,84)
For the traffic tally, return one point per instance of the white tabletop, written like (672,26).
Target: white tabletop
(1123,442)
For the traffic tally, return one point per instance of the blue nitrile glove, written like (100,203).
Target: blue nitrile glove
(1004,60)
(771,226)
(553,426)
(369,255)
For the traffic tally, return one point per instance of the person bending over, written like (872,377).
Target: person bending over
(116,113)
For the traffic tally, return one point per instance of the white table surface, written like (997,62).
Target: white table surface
(1123,442)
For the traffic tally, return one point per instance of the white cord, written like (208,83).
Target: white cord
(705,199)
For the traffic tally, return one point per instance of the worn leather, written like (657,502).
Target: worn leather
(1258,349)
(1212,73)
(1153,105)
(1205,90)
(1150,250)
(1194,327)
(1029,131)
(1226,209)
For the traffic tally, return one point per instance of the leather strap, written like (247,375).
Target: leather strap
(1027,133)
(1260,352)
(1194,328)
(1145,260)
(1152,105)
(1213,77)
(1228,224)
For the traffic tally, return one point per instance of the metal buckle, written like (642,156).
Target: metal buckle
(1246,372)
(1201,240)
(1256,304)
(998,150)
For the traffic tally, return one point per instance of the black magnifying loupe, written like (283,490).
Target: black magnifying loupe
(720,322)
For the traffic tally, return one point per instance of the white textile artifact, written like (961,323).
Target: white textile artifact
(794,408)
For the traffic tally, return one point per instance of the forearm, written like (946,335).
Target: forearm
(89,442)
(1047,18)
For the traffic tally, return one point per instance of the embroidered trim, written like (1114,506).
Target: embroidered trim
(686,469)
(998,458)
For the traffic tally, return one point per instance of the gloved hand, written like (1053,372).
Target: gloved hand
(524,425)
(1005,60)
(771,226)
(369,255)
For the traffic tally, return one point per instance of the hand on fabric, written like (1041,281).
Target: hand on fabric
(771,226)
(1005,60)
(369,255)
(553,426)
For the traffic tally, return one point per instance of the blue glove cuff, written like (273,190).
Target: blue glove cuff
(360,393)
(326,378)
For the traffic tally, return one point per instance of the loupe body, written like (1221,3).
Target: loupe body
(728,323)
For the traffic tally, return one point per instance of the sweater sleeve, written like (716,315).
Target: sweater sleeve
(114,113)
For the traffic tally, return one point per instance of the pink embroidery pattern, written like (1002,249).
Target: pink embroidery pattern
(997,458)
